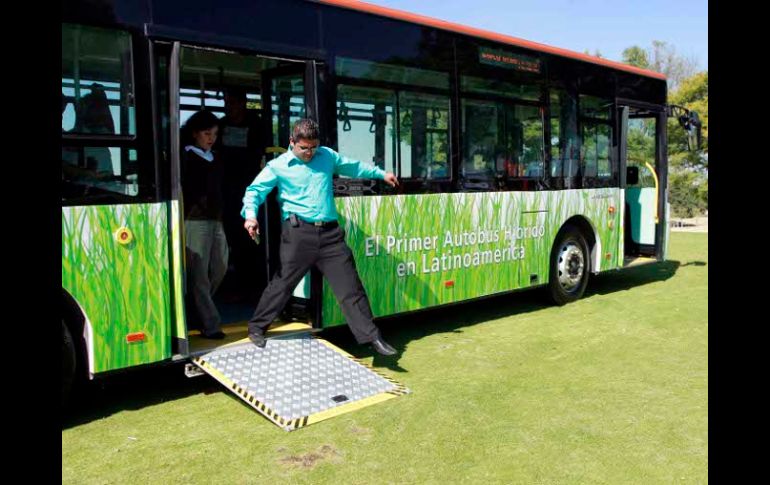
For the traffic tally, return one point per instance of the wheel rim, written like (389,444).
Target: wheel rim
(571,265)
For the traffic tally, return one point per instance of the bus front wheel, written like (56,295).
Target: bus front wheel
(569,266)
(69,360)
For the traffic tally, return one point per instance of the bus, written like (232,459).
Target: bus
(521,165)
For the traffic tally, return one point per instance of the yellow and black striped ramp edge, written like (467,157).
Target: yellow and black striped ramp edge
(297,380)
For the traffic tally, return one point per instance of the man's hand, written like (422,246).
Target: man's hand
(252,227)
(390,179)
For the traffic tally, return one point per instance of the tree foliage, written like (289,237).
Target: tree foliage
(689,169)
(662,57)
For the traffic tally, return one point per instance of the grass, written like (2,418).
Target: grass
(610,389)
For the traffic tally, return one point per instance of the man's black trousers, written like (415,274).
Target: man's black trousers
(324,247)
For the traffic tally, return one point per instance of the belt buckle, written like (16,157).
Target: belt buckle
(318,223)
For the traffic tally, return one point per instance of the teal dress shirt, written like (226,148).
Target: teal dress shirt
(305,189)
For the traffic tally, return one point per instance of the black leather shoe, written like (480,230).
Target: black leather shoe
(382,347)
(257,339)
(219,335)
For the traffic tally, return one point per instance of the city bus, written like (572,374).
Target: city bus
(520,164)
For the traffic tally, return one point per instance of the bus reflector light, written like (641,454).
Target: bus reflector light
(612,209)
(124,236)
(608,255)
(449,284)
(135,337)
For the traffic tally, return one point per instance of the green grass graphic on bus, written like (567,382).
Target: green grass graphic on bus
(115,265)
(416,251)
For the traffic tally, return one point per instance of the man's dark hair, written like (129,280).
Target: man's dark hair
(305,129)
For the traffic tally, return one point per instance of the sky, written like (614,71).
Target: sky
(608,26)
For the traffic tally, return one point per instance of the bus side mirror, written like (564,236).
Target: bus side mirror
(690,122)
(632,175)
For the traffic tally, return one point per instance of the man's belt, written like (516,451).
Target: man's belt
(325,224)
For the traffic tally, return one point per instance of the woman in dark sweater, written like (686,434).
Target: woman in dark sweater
(207,250)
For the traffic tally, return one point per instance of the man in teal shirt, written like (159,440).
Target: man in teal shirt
(310,233)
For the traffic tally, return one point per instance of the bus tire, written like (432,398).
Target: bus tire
(69,364)
(569,266)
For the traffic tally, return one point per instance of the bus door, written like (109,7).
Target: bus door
(290,93)
(164,73)
(196,78)
(644,178)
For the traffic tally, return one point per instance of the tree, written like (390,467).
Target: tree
(688,193)
(636,56)
(663,58)
(676,67)
(693,95)
(689,169)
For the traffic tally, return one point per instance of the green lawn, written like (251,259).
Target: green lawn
(610,389)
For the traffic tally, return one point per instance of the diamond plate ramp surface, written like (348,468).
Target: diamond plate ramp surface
(298,380)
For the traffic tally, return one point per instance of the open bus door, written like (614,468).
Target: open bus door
(287,93)
(164,62)
(644,176)
(290,93)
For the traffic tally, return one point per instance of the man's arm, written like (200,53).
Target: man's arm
(255,195)
(358,169)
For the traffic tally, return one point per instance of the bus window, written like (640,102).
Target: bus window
(641,149)
(424,133)
(97,81)
(93,171)
(485,142)
(377,71)
(595,151)
(502,144)
(529,147)
(365,125)
(595,108)
(418,144)
(496,87)
(596,133)
(564,135)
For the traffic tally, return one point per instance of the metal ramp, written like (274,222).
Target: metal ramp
(297,380)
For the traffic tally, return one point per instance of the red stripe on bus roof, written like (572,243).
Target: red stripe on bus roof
(484,34)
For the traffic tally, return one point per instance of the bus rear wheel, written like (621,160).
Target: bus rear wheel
(569,266)
(68,367)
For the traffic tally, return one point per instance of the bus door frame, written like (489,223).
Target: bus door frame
(313,78)
(658,113)
(313,82)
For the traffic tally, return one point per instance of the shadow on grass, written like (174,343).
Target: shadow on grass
(400,330)
(146,387)
(133,390)
(628,278)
